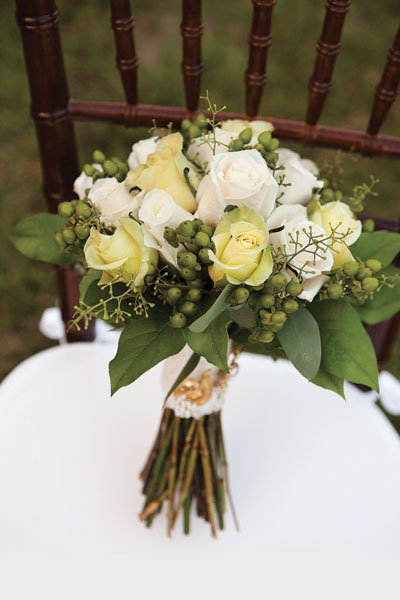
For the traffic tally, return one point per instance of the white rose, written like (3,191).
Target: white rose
(201,149)
(238,178)
(295,235)
(300,173)
(140,152)
(158,211)
(113,200)
(235,126)
(84,182)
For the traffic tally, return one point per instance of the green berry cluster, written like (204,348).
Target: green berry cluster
(194,240)
(266,145)
(113,167)
(193,129)
(273,302)
(356,279)
(330,195)
(79,217)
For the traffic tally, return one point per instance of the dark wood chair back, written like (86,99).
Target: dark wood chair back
(54,111)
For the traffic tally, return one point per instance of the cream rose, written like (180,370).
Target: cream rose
(241,249)
(140,152)
(237,125)
(113,200)
(164,170)
(238,178)
(202,149)
(122,255)
(84,182)
(300,173)
(338,216)
(157,211)
(295,235)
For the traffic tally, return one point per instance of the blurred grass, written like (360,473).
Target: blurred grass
(26,288)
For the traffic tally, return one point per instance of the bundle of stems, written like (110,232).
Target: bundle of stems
(186,465)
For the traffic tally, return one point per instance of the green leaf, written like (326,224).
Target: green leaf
(215,309)
(329,382)
(186,371)
(142,345)
(243,316)
(347,350)
(301,341)
(382,245)
(90,276)
(385,303)
(212,343)
(34,237)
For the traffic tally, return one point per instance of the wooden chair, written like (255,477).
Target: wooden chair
(54,111)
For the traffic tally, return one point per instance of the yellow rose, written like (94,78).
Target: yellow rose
(337,216)
(122,255)
(164,170)
(241,252)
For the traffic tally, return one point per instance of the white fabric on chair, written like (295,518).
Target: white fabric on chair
(316,483)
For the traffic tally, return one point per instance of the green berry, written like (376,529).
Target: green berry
(110,168)
(335,291)
(60,240)
(273,145)
(194,131)
(202,239)
(82,231)
(185,229)
(266,300)
(188,273)
(294,288)
(271,157)
(174,294)
(98,156)
(66,209)
(370,284)
(197,283)
(369,225)
(201,120)
(328,194)
(207,229)
(197,223)
(278,281)
(170,234)
(260,148)
(188,308)
(192,246)
(290,306)
(265,139)
(203,256)
(246,135)
(69,235)
(178,320)
(278,318)
(186,124)
(186,259)
(374,265)
(362,273)
(350,268)
(241,294)
(83,210)
(266,336)
(194,295)
(338,195)
(236,145)
(89,170)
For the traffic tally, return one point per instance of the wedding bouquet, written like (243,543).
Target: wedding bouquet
(210,241)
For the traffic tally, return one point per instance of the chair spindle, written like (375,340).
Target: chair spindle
(328,47)
(123,24)
(55,131)
(192,65)
(386,91)
(259,41)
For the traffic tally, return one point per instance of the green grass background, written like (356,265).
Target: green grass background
(26,288)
